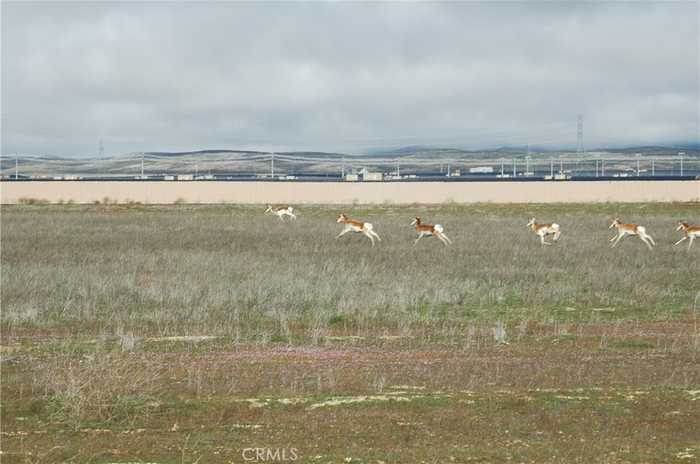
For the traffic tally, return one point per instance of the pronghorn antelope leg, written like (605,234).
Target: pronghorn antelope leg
(293,216)
(420,236)
(617,239)
(690,244)
(556,236)
(651,239)
(443,239)
(613,237)
(446,238)
(643,238)
(679,241)
(544,242)
(376,235)
(345,231)
(369,235)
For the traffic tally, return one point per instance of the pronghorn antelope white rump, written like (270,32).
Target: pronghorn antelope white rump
(631,229)
(357,226)
(689,232)
(427,230)
(281,212)
(543,230)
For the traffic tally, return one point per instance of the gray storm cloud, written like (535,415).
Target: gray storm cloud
(345,76)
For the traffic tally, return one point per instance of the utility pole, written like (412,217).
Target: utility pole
(579,132)
(502,168)
(141,165)
(653,171)
(272,166)
(16,167)
(342,168)
(551,168)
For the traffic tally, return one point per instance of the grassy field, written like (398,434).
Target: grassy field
(218,334)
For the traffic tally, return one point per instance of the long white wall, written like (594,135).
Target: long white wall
(164,192)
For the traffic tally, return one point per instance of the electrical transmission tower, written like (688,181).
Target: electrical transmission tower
(579,143)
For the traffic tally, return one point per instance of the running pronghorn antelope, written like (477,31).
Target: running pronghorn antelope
(427,230)
(689,231)
(631,229)
(356,226)
(281,212)
(543,230)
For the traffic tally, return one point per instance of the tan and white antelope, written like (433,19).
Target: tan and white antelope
(281,212)
(544,230)
(357,226)
(689,232)
(426,230)
(630,229)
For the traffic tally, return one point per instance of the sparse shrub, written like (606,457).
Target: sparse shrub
(499,332)
(336,319)
(32,201)
(127,341)
(104,387)
(378,383)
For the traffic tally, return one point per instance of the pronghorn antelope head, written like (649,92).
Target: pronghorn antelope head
(616,222)
(269,209)
(342,218)
(416,221)
(531,222)
(682,225)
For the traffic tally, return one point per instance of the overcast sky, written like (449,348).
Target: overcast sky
(345,76)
